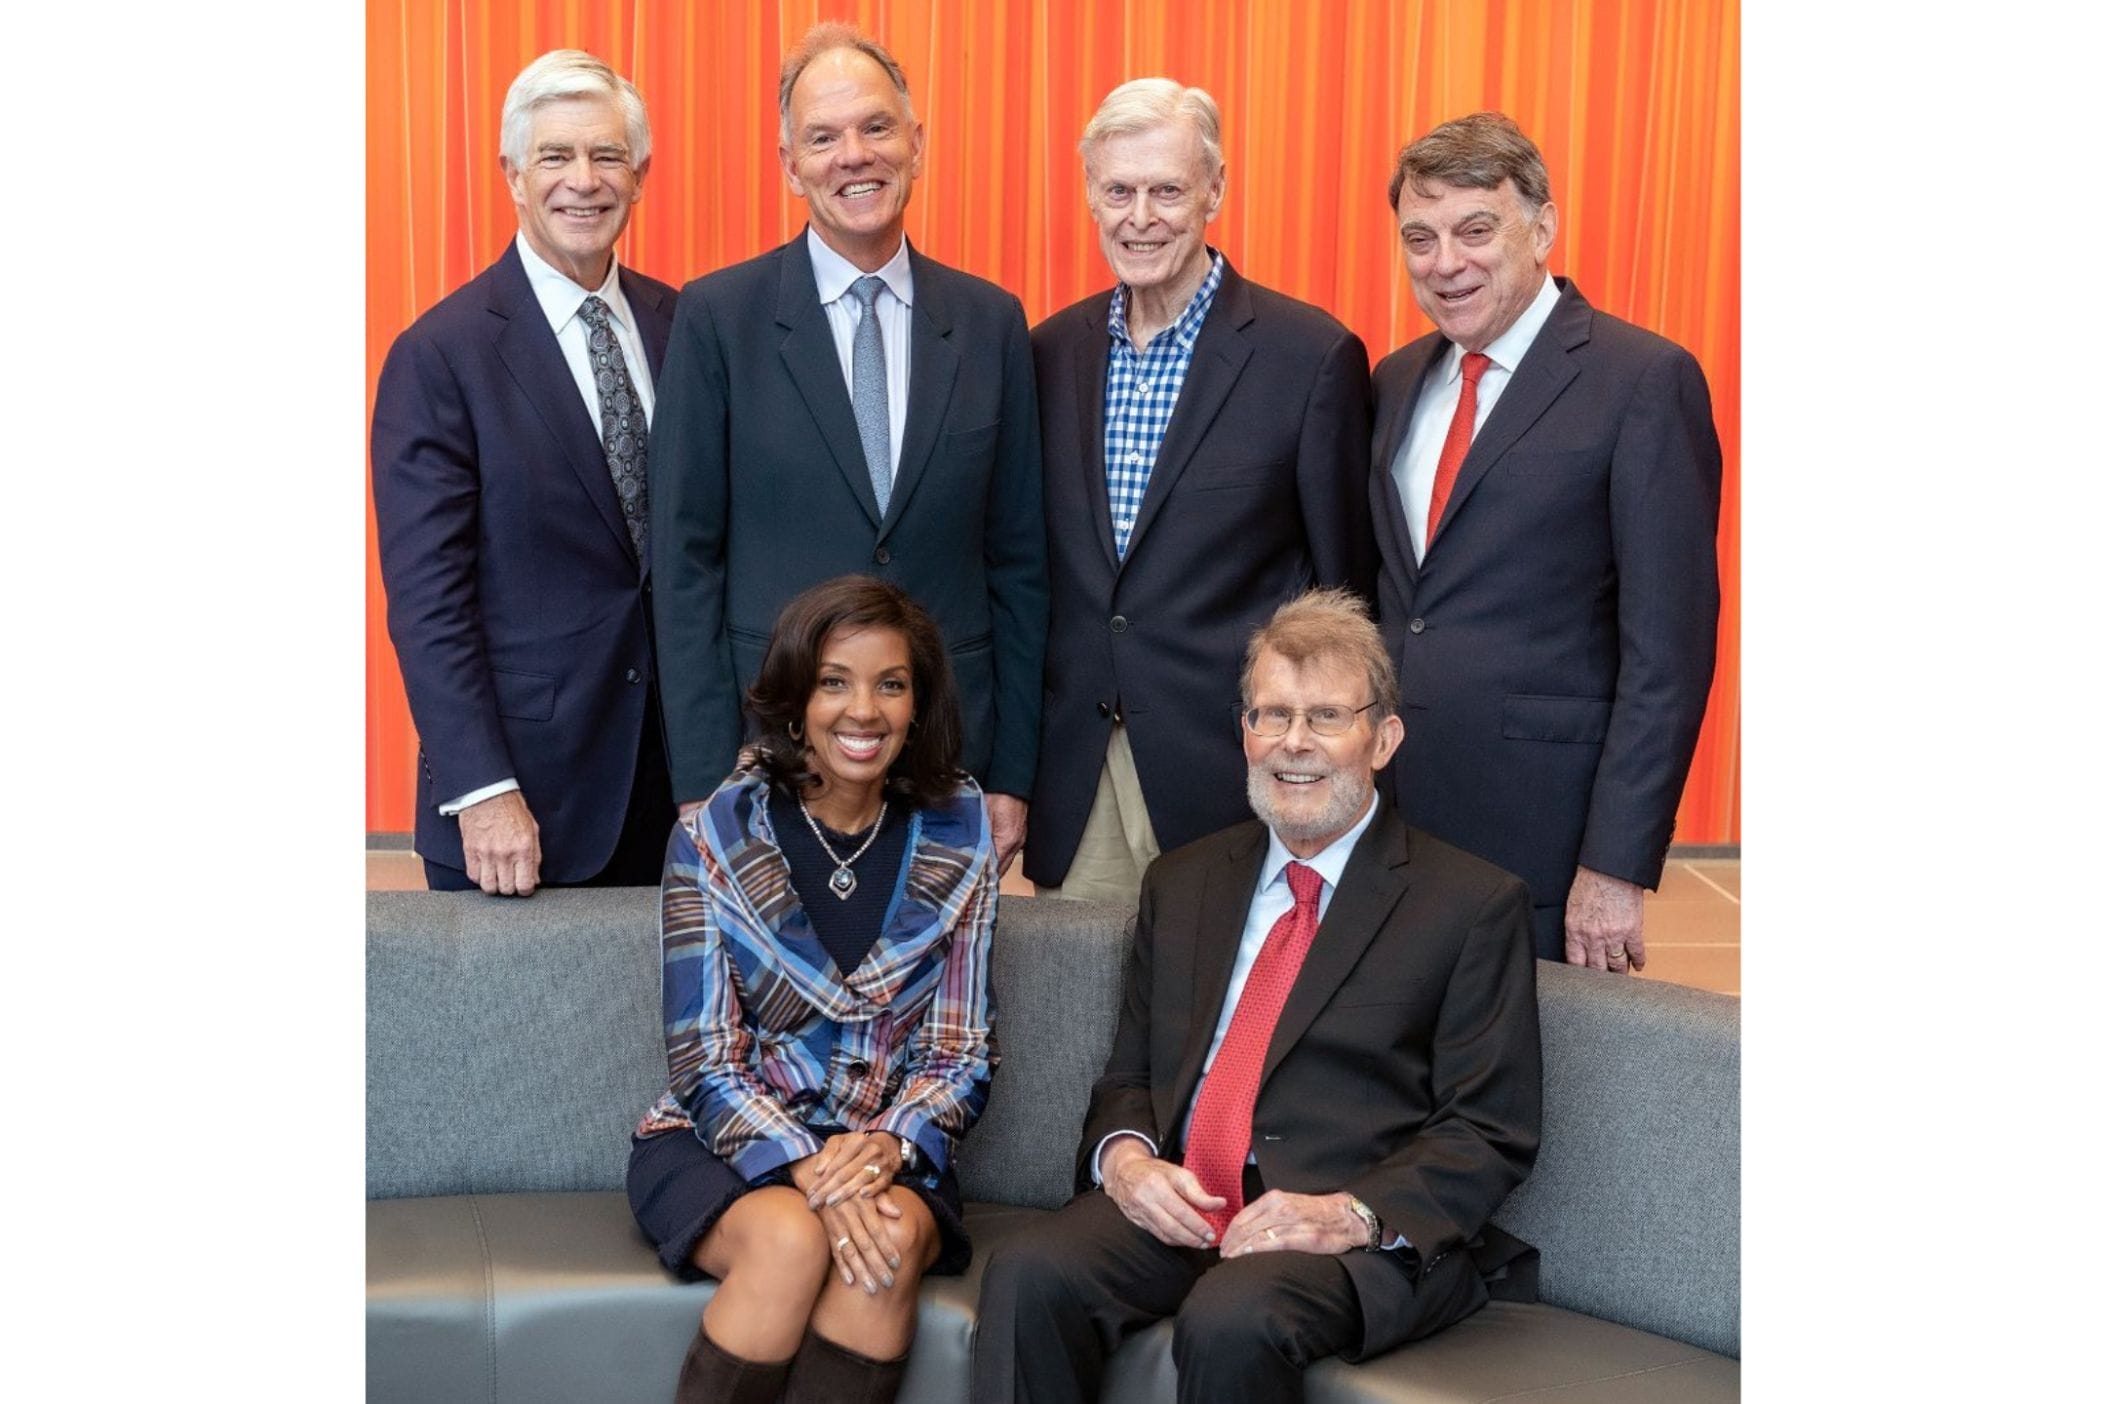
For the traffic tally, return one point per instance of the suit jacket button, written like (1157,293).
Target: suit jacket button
(884,556)
(1118,623)
(859,1068)
(633,676)
(1104,709)
(1417,626)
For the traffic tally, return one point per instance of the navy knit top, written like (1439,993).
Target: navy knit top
(848,927)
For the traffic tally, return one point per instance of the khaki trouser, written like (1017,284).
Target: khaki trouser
(1118,843)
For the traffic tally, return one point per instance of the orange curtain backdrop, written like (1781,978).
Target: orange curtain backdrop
(1635,103)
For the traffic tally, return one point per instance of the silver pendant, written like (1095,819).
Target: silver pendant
(843,882)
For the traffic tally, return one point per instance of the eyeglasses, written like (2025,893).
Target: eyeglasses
(1324,721)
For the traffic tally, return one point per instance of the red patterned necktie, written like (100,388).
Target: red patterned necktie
(1219,1141)
(1456,446)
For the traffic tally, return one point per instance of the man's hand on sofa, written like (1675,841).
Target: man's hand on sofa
(1277,1221)
(863,1249)
(501,845)
(1153,1194)
(1605,923)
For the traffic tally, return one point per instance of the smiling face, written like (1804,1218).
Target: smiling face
(577,186)
(853,156)
(1310,789)
(1152,199)
(855,724)
(1476,257)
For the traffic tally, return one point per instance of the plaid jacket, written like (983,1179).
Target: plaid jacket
(765,1039)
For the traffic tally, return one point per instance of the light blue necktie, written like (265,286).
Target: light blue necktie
(873,407)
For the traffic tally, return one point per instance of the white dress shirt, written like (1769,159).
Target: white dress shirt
(894,307)
(1419,456)
(560,299)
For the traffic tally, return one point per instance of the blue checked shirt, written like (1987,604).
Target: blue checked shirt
(1140,391)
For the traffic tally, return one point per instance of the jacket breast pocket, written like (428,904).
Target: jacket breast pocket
(1537,717)
(528,696)
(1217,478)
(971,443)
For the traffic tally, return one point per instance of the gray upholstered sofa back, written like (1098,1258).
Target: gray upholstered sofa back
(510,1046)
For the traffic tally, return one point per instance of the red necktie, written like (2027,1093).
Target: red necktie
(1219,1141)
(1456,446)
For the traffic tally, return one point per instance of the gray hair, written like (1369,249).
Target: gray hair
(1143,104)
(824,39)
(1331,624)
(569,73)
(1476,152)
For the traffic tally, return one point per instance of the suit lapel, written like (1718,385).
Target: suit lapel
(528,348)
(1410,374)
(814,367)
(654,319)
(1091,363)
(1542,376)
(1373,880)
(1224,905)
(1218,358)
(932,372)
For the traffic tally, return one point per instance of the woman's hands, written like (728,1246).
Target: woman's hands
(838,1185)
(854,1164)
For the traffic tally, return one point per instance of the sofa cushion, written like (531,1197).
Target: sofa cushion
(555,1297)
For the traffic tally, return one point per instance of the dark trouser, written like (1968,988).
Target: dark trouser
(1547,924)
(1059,1298)
(638,859)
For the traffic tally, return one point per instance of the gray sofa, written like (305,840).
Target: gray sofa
(510,1046)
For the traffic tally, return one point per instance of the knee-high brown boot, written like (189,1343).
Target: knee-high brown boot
(826,1372)
(713,1375)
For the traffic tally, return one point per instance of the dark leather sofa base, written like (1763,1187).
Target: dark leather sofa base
(524,1298)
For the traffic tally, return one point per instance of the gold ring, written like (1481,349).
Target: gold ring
(1272,1236)
(842,1244)
(872,1171)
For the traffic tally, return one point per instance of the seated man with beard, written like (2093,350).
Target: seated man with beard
(1326,1074)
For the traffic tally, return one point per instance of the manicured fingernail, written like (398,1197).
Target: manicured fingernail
(894,1261)
(869,1287)
(888,1279)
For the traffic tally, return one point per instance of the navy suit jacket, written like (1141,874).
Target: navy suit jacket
(1259,491)
(517,605)
(759,490)
(1555,648)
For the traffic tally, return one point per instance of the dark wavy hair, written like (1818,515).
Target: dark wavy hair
(927,769)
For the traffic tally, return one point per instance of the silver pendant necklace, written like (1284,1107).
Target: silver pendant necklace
(843,881)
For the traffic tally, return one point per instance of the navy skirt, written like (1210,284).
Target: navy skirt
(678,1189)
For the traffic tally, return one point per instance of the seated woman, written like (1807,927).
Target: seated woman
(825,919)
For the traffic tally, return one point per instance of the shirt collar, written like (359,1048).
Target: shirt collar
(560,298)
(1511,345)
(1329,862)
(834,273)
(1186,327)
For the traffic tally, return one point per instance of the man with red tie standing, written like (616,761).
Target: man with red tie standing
(1546,490)
(1326,1074)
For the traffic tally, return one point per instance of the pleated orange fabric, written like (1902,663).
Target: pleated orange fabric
(1635,103)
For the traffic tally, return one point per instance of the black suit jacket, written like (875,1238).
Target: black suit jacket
(1555,648)
(759,490)
(1405,1067)
(1259,491)
(516,602)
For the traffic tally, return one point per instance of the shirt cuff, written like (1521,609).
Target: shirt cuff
(1097,1160)
(502,787)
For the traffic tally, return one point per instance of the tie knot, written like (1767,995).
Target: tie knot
(865,290)
(1305,882)
(1474,365)
(594,312)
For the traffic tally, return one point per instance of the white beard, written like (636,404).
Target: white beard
(1349,792)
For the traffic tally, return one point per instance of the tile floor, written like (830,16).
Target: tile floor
(1692,924)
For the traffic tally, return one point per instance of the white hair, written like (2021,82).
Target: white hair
(1143,104)
(569,73)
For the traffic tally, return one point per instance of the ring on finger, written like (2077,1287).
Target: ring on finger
(872,1171)
(1272,1235)
(842,1242)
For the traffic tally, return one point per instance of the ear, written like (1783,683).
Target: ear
(789,171)
(921,135)
(515,180)
(1546,231)
(1388,736)
(1214,196)
(643,168)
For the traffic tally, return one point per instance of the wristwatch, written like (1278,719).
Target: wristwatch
(1368,1217)
(906,1154)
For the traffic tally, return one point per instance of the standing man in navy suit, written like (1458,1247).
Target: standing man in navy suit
(1546,497)
(511,433)
(847,404)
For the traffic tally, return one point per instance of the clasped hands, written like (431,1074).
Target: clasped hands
(838,1185)
(1168,1202)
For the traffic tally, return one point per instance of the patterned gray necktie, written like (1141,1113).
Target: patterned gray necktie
(873,406)
(623,432)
